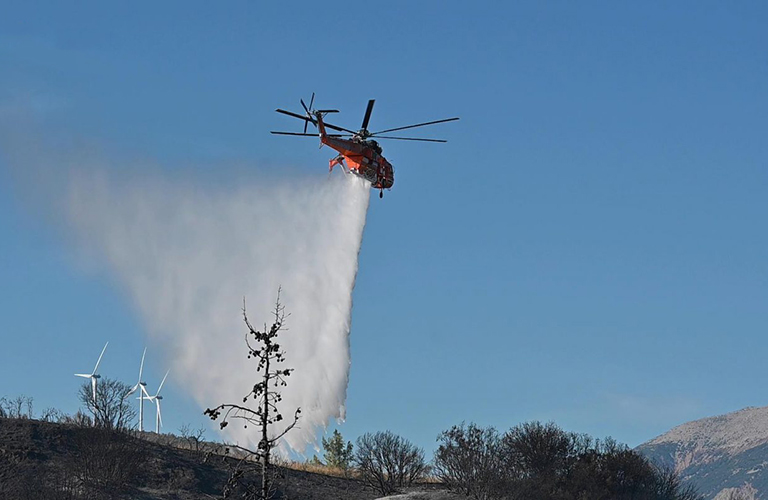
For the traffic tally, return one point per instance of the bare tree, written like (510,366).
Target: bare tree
(111,409)
(79,419)
(194,437)
(468,460)
(386,461)
(667,484)
(264,349)
(18,407)
(51,414)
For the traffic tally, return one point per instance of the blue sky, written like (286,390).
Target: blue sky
(589,247)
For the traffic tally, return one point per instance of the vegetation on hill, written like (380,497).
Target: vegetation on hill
(541,461)
(103,456)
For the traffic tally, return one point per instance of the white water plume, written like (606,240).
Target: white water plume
(187,255)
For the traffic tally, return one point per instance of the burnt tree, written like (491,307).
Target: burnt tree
(266,351)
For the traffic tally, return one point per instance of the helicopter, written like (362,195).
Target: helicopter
(359,152)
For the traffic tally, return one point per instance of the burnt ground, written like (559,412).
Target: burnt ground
(49,460)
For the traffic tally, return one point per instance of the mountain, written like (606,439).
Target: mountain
(718,453)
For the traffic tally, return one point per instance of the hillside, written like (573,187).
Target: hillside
(717,453)
(39,457)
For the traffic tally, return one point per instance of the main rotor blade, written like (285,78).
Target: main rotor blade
(294,133)
(368,114)
(295,115)
(407,138)
(417,125)
(100,356)
(328,125)
(308,135)
(311,101)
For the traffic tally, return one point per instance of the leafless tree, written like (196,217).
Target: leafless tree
(667,484)
(79,419)
(50,414)
(18,407)
(386,461)
(194,437)
(266,351)
(111,409)
(468,460)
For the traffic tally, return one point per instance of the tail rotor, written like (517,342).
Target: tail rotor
(308,110)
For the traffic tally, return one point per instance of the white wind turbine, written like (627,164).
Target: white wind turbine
(94,376)
(141,385)
(156,398)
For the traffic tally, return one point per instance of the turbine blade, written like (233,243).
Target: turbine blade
(93,385)
(133,389)
(84,375)
(141,368)
(100,356)
(144,392)
(161,383)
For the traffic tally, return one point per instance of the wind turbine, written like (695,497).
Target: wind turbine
(141,385)
(94,376)
(156,398)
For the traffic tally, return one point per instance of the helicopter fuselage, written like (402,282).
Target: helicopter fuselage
(363,158)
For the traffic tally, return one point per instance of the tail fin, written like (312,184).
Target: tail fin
(320,126)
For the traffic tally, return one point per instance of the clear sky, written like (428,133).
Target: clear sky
(589,247)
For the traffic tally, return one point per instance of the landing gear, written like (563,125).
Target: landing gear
(381,193)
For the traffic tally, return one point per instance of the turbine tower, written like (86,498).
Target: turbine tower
(94,376)
(156,398)
(143,386)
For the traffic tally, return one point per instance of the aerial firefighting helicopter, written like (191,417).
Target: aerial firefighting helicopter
(360,151)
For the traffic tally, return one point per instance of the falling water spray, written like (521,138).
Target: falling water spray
(187,255)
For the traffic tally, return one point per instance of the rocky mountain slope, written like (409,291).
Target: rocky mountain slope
(718,453)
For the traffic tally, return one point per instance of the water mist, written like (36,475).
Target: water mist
(187,255)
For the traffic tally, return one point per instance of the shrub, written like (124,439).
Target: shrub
(541,461)
(106,461)
(386,461)
(468,461)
